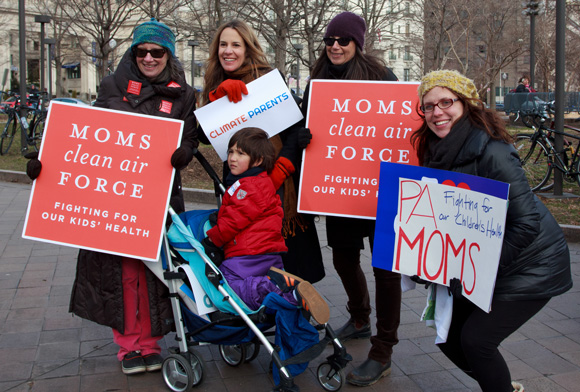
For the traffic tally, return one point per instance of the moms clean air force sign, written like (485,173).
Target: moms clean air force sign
(105,182)
(355,125)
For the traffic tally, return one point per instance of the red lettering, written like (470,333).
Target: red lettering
(429,213)
(403,236)
(443,262)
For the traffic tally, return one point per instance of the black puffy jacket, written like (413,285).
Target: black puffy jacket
(97,292)
(535,259)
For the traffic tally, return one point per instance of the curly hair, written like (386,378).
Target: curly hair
(255,64)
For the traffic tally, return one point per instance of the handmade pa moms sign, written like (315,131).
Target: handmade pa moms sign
(106,180)
(441,225)
(269,105)
(355,126)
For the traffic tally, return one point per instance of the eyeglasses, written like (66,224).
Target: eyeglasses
(155,53)
(443,104)
(341,41)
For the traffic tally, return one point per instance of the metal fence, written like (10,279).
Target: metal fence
(532,102)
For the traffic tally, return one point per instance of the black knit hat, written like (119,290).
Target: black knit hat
(348,25)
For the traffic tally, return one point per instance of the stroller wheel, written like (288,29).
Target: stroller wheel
(252,351)
(181,373)
(197,366)
(233,355)
(177,373)
(330,379)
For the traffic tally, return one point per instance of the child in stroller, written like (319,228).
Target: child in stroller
(249,228)
(234,326)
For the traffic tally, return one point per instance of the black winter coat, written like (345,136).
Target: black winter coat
(97,293)
(535,259)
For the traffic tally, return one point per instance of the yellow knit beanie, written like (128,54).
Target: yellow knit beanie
(450,79)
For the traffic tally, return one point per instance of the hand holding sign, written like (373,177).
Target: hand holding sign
(230,87)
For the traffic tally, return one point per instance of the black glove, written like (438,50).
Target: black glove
(214,252)
(213,218)
(33,166)
(181,157)
(455,288)
(418,280)
(304,137)
(290,148)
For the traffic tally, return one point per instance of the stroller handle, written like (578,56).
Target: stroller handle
(210,171)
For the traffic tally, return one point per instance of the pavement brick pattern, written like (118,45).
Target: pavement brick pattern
(44,348)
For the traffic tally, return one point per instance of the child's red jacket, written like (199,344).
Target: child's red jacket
(250,219)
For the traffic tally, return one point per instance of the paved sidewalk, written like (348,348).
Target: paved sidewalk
(44,348)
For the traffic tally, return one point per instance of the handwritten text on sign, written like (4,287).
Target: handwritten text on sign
(269,105)
(105,181)
(443,231)
(355,125)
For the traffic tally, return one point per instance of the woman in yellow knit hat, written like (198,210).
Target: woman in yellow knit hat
(460,134)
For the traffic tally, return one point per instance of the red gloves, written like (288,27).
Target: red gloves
(283,168)
(230,87)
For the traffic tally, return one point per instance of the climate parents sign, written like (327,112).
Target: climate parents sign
(105,182)
(355,125)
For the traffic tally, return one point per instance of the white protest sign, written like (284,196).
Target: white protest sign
(441,225)
(459,233)
(269,105)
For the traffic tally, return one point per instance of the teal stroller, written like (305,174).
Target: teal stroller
(207,310)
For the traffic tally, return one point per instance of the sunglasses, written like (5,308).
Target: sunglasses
(155,53)
(341,41)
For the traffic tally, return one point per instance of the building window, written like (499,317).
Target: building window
(408,56)
(392,54)
(406,75)
(74,73)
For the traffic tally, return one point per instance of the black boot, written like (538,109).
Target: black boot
(368,373)
(350,331)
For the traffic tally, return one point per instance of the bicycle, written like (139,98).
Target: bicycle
(33,130)
(538,153)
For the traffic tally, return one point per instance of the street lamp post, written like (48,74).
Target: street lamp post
(42,19)
(298,48)
(22,70)
(112,45)
(49,42)
(193,43)
(532,8)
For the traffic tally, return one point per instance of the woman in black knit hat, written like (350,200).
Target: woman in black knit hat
(343,58)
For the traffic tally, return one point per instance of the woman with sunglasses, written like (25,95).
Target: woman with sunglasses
(117,291)
(235,59)
(343,58)
(460,134)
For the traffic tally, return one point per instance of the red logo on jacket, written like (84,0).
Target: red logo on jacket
(173,84)
(134,87)
(165,106)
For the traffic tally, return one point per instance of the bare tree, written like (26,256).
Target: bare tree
(496,29)
(100,22)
